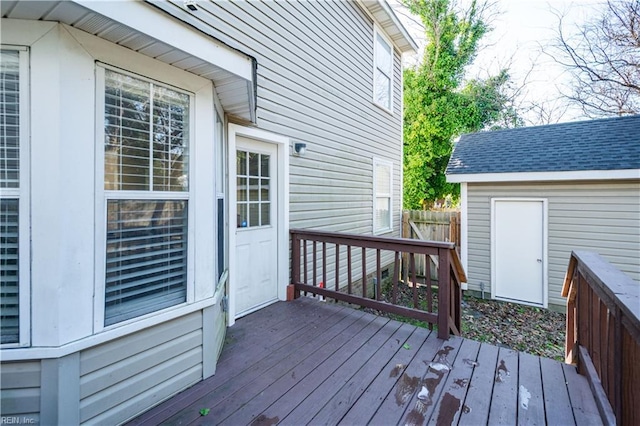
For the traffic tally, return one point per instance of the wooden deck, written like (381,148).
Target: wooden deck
(308,362)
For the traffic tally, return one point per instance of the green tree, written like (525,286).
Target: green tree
(439,104)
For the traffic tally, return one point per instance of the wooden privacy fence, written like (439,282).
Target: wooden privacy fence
(345,266)
(432,225)
(603,334)
(429,225)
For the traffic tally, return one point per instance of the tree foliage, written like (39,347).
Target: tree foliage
(603,57)
(439,105)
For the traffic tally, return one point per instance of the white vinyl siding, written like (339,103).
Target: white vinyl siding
(121,377)
(314,88)
(382,71)
(146,190)
(596,216)
(14,201)
(382,199)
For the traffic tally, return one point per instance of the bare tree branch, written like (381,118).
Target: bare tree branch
(603,58)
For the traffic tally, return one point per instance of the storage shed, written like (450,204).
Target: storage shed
(531,195)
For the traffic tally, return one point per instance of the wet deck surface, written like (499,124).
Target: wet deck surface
(308,362)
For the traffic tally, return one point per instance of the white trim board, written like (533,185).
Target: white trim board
(160,26)
(464,231)
(545,176)
(282,142)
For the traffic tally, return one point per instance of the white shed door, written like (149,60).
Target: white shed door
(519,251)
(257,229)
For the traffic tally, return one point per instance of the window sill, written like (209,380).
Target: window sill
(384,108)
(22,354)
(383,231)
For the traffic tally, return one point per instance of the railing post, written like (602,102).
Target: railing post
(443,293)
(292,292)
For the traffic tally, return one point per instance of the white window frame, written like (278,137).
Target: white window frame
(102,196)
(22,194)
(378,32)
(381,162)
(221,189)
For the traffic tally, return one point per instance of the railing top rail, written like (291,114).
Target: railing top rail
(380,242)
(619,287)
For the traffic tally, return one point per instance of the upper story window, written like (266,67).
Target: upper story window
(146,188)
(382,70)
(382,200)
(14,203)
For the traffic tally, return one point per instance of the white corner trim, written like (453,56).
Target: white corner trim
(160,26)
(282,142)
(545,176)
(464,231)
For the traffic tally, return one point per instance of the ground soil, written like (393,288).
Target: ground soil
(524,328)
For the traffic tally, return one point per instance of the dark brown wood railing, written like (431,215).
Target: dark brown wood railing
(603,334)
(324,264)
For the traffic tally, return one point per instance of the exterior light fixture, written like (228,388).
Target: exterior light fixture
(299,148)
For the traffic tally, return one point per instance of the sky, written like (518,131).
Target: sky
(519,29)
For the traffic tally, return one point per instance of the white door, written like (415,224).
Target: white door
(518,253)
(256,232)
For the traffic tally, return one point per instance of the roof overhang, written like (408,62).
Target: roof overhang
(150,31)
(545,176)
(386,18)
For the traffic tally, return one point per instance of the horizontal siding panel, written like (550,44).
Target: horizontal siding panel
(113,396)
(603,236)
(20,401)
(20,375)
(130,408)
(316,122)
(109,353)
(125,369)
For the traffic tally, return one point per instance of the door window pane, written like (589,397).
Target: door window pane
(254,201)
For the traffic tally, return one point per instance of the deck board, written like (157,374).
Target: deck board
(475,410)
(308,362)
(448,408)
(556,394)
(530,397)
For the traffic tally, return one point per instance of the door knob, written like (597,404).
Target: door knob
(539,260)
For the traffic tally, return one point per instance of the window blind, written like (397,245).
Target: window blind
(146,267)
(9,271)
(146,134)
(382,175)
(9,119)
(9,203)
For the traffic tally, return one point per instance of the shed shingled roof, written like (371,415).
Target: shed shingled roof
(604,144)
